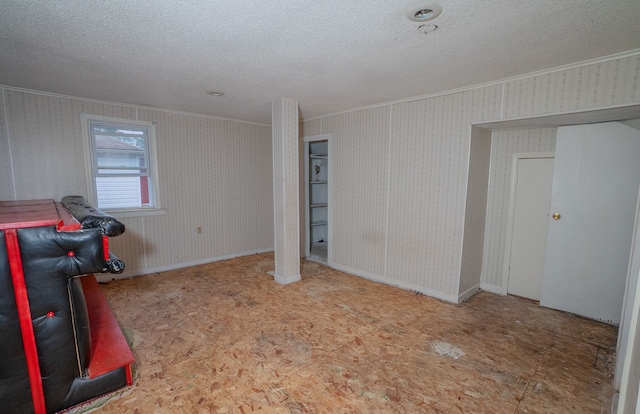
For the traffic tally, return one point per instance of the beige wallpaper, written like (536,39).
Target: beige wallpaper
(430,143)
(613,82)
(400,173)
(475,213)
(46,143)
(213,173)
(359,183)
(407,228)
(313,127)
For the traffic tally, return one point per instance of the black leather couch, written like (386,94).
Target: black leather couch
(53,262)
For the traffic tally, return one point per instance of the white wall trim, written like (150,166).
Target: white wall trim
(330,199)
(511,210)
(308,139)
(486,215)
(105,277)
(492,288)
(564,118)
(629,394)
(285,280)
(575,65)
(396,283)
(87,144)
(319,137)
(464,212)
(464,296)
(142,212)
(307,196)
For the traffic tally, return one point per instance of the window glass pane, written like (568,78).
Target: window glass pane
(122,192)
(114,152)
(121,165)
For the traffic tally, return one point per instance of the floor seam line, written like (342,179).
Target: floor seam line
(535,371)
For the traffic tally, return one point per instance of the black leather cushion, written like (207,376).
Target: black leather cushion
(91,217)
(114,264)
(84,389)
(15,392)
(49,259)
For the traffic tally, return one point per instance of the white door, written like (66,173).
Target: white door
(529,229)
(594,193)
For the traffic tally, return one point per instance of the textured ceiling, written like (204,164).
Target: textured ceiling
(329,55)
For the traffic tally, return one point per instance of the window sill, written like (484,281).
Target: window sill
(136,213)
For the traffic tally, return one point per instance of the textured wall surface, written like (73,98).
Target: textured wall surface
(475,212)
(45,137)
(401,171)
(612,82)
(359,183)
(213,173)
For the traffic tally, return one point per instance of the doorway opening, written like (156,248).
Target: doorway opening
(477,203)
(317,190)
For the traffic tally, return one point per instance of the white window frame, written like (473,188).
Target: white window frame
(91,167)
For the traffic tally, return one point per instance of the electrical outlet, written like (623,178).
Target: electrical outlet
(199,230)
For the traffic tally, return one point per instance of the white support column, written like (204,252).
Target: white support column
(286,201)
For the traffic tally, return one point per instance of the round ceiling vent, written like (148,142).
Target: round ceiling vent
(424,12)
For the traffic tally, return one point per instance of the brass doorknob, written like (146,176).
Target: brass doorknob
(556,216)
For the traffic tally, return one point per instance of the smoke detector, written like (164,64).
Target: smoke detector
(424,12)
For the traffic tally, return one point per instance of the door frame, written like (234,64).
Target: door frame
(307,218)
(511,210)
(574,117)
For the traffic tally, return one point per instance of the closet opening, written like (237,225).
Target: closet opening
(317,185)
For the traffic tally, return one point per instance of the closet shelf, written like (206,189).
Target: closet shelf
(316,184)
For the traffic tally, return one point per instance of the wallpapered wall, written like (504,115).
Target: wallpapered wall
(213,173)
(400,173)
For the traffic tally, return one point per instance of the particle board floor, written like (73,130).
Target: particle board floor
(225,338)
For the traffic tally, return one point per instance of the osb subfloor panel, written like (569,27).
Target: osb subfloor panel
(225,338)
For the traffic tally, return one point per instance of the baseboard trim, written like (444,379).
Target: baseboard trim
(492,288)
(285,280)
(396,283)
(105,277)
(468,293)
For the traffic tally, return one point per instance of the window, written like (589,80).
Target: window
(121,163)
